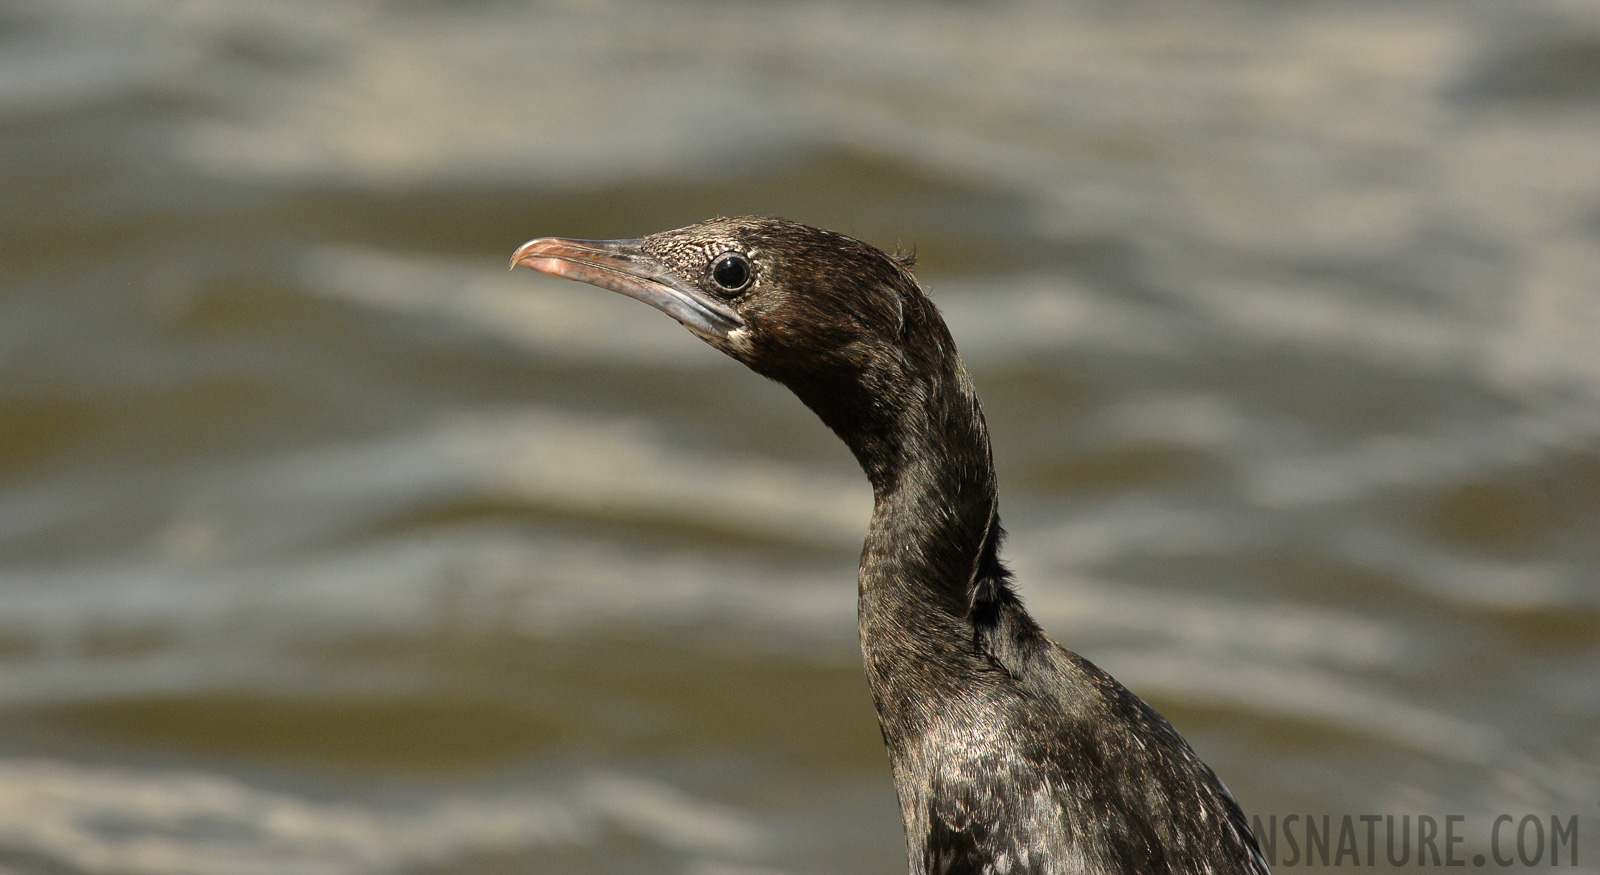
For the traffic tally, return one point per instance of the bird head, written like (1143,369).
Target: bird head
(842,324)
(795,303)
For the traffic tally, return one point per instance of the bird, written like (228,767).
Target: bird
(1010,753)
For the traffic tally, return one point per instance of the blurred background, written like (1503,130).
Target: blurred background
(327,545)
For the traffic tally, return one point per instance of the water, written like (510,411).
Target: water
(329,546)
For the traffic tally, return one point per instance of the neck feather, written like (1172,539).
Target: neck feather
(931,582)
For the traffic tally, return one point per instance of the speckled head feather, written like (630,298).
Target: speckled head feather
(821,310)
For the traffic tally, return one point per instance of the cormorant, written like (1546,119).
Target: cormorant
(1011,754)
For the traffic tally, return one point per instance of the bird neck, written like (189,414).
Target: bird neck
(935,503)
(930,576)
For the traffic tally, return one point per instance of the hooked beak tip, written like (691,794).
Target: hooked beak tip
(525,250)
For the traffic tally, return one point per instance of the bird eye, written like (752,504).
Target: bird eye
(731,272)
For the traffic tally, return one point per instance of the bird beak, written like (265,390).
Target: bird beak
(623,266)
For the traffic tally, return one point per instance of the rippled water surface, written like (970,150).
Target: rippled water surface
(329,546)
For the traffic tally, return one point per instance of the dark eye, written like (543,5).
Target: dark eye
(731,272)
